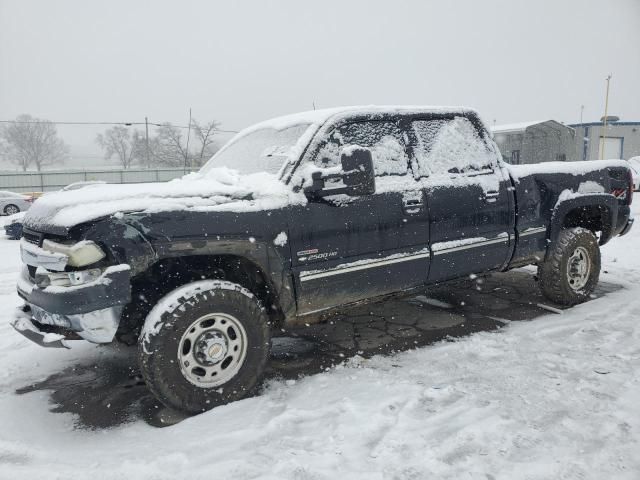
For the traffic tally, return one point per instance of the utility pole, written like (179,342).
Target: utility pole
(581,113)
(186,152)
(604,120)
(146,139)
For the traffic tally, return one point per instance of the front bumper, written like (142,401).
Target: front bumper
(92,311)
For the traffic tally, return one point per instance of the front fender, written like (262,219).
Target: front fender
(272,260)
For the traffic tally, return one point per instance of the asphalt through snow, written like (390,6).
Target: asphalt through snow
(112,392)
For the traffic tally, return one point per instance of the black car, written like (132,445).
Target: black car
(296,218)
(13,226)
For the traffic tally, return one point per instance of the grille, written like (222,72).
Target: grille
(32,273)
(32,237)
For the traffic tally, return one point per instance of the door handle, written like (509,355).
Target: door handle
(413,203)
(412,206)
(491,197)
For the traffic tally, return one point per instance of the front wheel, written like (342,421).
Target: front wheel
(203,345)
(11,209)
(570,273)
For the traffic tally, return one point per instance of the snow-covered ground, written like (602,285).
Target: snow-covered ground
(554,398)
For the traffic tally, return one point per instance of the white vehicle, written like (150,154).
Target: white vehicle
(78,185)
(634,163)
(12,203)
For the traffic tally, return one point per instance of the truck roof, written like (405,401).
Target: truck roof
(319,117)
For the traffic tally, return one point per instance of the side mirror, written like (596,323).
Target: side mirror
(357,176)
(357,165)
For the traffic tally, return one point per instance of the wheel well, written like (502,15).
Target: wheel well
(591,217)
(170,273)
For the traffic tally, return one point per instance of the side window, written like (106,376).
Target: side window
(385,139)
(450,146)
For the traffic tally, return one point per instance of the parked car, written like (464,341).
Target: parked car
(322,210)
(12,203)
(13,226)
(77,185)
(13,223)
(634,163)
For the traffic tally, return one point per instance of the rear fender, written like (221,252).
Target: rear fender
(606,203)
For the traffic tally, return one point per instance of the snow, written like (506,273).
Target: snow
(102,280)
(171,302)
(16,217)
(556,397)
(457,243)
(572,168)
(219,189)
(450,146)
(320,116)
(281,239)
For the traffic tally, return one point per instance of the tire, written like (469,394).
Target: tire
(570,273)
(11,209)
(189,336)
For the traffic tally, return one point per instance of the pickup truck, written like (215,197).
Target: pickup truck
(293,219)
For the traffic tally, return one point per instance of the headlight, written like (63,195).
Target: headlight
(80,254)
(45,278)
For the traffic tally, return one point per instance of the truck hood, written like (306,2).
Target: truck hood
(221,189)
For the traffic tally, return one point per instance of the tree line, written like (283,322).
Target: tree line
(168,147)
(31,142)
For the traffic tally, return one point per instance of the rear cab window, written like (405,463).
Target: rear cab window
(450,146)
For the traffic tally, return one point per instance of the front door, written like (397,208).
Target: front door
(469,198)
(347,249)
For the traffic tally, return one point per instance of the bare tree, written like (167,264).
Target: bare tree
(205,133)
(169,149)
(32,141)
(122,143)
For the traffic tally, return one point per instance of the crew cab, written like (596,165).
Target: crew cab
(296,218)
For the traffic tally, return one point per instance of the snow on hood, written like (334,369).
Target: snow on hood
(220,189)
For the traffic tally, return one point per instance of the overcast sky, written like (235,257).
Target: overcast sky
(243,61)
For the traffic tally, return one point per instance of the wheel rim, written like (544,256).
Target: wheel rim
(11,210)
(212,350)
(578,268)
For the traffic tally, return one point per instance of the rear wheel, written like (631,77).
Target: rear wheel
(11,209)
(204,344)
(571,271)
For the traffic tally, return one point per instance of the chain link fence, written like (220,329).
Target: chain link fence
(54,180)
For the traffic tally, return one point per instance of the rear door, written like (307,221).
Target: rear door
(346,248)
(468,196)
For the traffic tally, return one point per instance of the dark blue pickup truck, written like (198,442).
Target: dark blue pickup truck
(296,218)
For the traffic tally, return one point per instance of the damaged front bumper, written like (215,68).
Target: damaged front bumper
(90,311)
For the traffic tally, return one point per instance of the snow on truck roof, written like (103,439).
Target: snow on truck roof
(319,117)
(316,118)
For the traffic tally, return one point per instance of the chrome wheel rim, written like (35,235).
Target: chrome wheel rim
(11,210)
(212,350)
(578,268)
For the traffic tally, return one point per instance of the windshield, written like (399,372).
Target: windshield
(263,150)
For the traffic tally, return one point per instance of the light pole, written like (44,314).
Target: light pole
(146,140)
(604,119)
